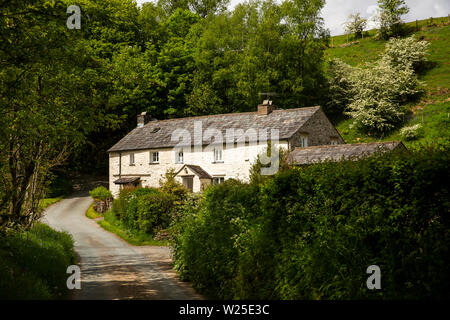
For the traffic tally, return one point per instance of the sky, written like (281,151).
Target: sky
(336,12)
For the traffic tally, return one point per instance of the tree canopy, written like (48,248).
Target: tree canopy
(73,93)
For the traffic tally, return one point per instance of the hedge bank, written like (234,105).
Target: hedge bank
(311,232)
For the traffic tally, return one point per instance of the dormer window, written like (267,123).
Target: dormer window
(179,157)
(218,155)
(131,159)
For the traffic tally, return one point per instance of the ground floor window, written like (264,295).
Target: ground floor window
(218,180)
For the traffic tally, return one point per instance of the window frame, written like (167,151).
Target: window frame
(178,159)
(218,150)
(303,141)
(132,159)
(152,157)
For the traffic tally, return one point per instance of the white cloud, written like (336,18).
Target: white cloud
(336,12)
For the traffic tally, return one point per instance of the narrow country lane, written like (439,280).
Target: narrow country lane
(110,267)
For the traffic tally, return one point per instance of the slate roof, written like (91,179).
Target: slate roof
(158,133)
(338,152)
(126,180)
(199,171)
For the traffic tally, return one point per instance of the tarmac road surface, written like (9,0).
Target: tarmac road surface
(110,267)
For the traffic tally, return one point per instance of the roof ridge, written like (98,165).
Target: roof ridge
(227,114)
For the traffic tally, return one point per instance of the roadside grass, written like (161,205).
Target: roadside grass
(45,203)
(431,110)
(112,224)
(92,214)
(33,263)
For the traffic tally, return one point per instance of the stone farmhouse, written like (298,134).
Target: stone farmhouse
(207,150)
(145,154)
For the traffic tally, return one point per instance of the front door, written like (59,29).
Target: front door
(188,182)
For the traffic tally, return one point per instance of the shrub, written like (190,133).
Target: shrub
(278,162)
(411,132)
(170,186)
(102,199)
(144,209)
(340,87)
(130,217)
(373,96)
(406,53)
(120,205)
(389,211)
(379,92)
(101,193)
(153,211)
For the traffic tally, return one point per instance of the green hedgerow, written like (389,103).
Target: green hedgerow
(311,232)
(101,193)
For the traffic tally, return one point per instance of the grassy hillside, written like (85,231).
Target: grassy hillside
(432,109)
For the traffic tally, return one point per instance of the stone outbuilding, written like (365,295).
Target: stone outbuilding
(316,154)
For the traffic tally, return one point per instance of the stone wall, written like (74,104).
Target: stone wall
(319,130)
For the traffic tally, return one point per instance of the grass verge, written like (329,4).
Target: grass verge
(112,224)
(45,203)
(33,264)
(92,214)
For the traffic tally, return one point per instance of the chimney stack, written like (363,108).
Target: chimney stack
(143,119)
(266,107)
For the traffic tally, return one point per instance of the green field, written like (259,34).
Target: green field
(432,108)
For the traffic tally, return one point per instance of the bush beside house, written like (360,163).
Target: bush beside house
(148,211)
